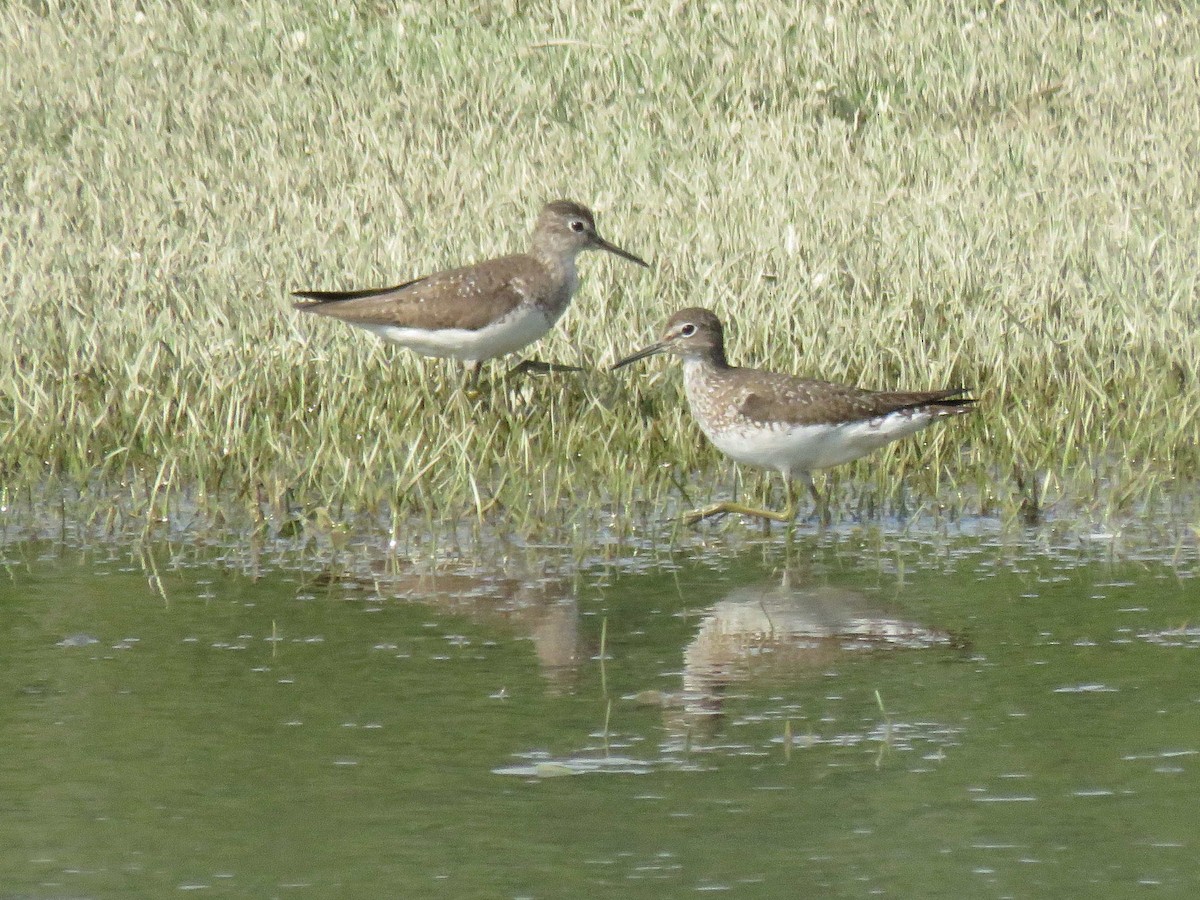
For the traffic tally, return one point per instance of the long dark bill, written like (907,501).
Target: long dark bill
(624,254)
(641,354)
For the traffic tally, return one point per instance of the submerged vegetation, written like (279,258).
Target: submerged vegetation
(915,196)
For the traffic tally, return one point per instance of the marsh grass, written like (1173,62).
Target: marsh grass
(897,195)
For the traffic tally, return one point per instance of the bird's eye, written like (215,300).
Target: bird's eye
(577,225)
(688,330)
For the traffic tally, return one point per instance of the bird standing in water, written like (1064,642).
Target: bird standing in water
(776,421)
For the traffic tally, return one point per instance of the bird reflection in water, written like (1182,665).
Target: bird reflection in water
(773,630)
(541,608)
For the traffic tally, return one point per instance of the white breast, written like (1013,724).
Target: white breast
(793,449)
(522,326)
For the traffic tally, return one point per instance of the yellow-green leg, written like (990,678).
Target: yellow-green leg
(728,506)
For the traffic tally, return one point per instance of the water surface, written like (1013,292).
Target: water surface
(869,714)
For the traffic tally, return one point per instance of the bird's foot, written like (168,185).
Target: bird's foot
(538,367)
(726,507)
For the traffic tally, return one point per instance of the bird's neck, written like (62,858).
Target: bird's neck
(700,369)
(560,265)
(563,279)
(554,254)
(710,359)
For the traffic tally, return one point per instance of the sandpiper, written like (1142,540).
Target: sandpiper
(775,421)
(484,310)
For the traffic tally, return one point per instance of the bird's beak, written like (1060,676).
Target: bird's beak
(613,248)
(657,347)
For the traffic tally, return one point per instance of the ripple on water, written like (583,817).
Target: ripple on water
(78,640)
(542,765)
(1091,688)
(1186,636)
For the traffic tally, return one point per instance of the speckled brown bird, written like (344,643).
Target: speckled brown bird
(480,311)
(775,421)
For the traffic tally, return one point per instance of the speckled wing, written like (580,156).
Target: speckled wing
(468,298)
(771,397)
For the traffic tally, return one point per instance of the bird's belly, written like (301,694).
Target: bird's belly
(802,448)
(520,327)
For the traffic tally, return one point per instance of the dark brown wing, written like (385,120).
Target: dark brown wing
(771,397)
(338,296)
(469,298)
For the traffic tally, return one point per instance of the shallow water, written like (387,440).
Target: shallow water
(868,714)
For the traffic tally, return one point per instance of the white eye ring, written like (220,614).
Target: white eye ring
(688,330)
(577,225)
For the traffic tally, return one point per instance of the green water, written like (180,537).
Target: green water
(893,716)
